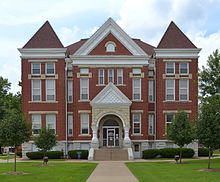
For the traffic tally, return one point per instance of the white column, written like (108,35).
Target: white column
(126,129)
(127,140)
(95,141)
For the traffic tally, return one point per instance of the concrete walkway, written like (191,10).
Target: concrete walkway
(112,171)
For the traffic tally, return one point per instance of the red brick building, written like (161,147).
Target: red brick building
(108,91)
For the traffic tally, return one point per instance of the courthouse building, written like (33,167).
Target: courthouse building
(109,92)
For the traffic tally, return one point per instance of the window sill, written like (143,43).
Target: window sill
(83,100)
(137,100)
(151,102)
(177,101)
(69,102)
(100,85)
(43,102)
(120,85)
(84,135)
(137,135)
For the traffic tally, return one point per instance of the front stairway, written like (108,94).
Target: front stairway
(110,154)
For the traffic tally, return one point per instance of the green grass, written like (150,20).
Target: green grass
(61,172)
(165,172)
(5,157)
(218,153)
(42,160)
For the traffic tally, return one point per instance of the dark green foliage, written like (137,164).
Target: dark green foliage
(169,152)
(150,153)
(49,154)
(187,152)
(73,154)
(19,153)
(203,152)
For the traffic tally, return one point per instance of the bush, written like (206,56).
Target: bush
(73,154)
(19,153)
(188,153)
(203,152)
(150,153)
(49,154)
(171,152)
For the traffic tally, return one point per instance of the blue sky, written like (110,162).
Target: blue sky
(74,19)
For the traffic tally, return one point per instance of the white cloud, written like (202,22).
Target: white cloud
(67,35)
(90,32)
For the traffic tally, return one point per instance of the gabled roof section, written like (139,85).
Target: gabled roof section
(110,95)
(149,49)
(109,27)
(45,37)
(175,38)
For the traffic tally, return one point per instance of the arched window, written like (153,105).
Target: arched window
(110,46)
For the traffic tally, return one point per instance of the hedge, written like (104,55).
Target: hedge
(49,154)
(19,153)
(150,153)
(203,152)
(73,154)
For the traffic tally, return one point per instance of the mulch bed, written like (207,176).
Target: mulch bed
(209,170)
(14,173)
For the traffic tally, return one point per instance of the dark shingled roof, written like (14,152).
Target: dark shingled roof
(175,38)
(45,37)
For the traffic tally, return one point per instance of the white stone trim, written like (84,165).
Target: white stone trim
(43,112)
(84,75)
(177,101)
(42,60)
(177,76)
(84,111)
(137,111)
(175,111)
(107,66)
(42,102)
(69,112)
(177,60)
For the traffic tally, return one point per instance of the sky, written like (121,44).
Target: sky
(73,20)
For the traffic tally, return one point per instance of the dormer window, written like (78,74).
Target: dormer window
(110,46)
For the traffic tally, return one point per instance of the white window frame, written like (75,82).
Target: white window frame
(84,122)
(70,124)
(54,90)
(133,88)
(49,122)
(32,90)
(120,74)
(70,90)
(170,88)
(166,120)
(186,67)
(187,89)
(150,90)
(167,68)
(32,67)
(110,47)
(101,76)
(84,70)
(150,124)
(112,75)
(133,122)
(81,88)
(46,69)
(34,122)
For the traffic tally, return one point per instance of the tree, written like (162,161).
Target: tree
(208,124)
(14,130)
(181,131)
(46,140)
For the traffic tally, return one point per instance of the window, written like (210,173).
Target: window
(168,119)
(110,75)
(84,88)
(84,70)
(101,77)
(150,73)
(119,76)
(51,122)
(150,90)
(70,125)
(183,89)
(136,123)
(50,68)
(170,68)
(36,123)
(84,119)
(69,73)
(136,71)
(170,89)
(70,91)
(136,88)
(150,124)
(50,90)
(36,90)
(110,47)
(35,68)
(184,68)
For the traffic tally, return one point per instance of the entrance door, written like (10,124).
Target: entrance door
(111,137)
(137,150)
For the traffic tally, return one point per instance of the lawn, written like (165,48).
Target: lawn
(60,172)
(165,172)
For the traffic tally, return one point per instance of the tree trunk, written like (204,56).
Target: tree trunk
(209,157)
(0,149)
(15,159)
(180,154)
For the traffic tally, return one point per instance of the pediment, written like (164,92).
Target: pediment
(110,95)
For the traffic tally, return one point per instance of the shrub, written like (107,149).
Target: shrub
(73,154)
(35,155)
(49,154)
(19,153)
(150,153)
(202,152)
(188,153)
(171,152)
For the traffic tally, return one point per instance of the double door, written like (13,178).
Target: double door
(111,137)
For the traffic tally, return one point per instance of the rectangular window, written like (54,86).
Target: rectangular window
(69,73)
(84,70)
(136,123)
(70,125)
(101,76)
(110,75)
(150,90)
(84,120)
(168,119)
(50,90)
(119,76)
(70,90)
(36,90)
(136,71)
(84,88)
(50,68)
(150,124)
(36,123)
(184,68)
(170,89)
(183,89)
(136,89)
(170,68)
(51,122)
(35,68)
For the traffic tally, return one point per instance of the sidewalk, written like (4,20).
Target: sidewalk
(112,171)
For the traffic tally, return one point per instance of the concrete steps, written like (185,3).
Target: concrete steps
(111,155)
